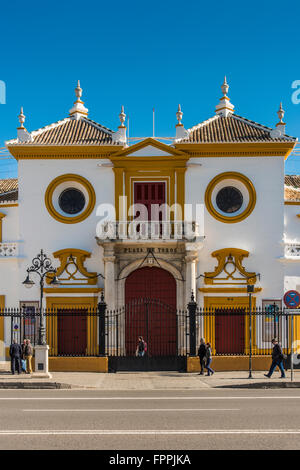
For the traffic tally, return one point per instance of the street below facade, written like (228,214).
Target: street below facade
(150,419)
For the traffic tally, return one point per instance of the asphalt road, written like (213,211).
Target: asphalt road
(156,420)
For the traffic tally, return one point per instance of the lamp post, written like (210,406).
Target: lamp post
(42,266)
(250,290)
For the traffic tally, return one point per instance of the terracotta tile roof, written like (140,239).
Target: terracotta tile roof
(292,188)
(70,131)
(233,128)
(292,180)
(9,190)
(9,184)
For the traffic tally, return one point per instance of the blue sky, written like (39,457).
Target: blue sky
(145,55)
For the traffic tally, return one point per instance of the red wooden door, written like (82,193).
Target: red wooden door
(150,297)
(71,332)
(149,194)
(230,331)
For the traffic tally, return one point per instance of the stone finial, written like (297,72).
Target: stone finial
(122,117)
(22,134)
(120,137)
(225,87)
(280,113)
(224,108)
(279,130)
(179,115)
(21,118)
(181,132)
(78,109)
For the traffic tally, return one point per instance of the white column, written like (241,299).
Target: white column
(109,283)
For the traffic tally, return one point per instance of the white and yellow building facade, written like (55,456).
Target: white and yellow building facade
(224,176)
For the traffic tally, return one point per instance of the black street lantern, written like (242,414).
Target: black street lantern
(42,266)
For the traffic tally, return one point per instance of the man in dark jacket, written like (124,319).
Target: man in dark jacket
(202,354)
(15,353)
(277,359)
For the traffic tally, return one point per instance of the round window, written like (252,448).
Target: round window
(229,199)
(71,201)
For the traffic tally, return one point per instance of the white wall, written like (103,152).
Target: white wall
(261,233)
(38,229)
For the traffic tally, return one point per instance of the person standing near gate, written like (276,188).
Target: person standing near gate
(202,355)
(141,347)
(208,360)
(28,356)
(15,353)
(23,360)
(277,359)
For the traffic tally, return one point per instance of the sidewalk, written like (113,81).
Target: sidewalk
(148,380)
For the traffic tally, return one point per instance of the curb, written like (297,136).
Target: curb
(263,385)
(34,385)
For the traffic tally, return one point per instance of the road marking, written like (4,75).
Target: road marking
(131,409)
(101,432)
(149,398)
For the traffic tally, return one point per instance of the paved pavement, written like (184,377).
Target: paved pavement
(154,380)
(150,419)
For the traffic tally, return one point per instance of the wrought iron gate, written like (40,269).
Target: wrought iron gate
(163,329)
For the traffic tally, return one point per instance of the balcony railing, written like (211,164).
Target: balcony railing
(148,230)
(292,250)
(8,250)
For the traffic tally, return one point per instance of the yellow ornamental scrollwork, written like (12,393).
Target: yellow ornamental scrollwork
(72,270)
(230,269)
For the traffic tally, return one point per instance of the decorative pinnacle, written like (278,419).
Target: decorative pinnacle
(280,113)
(122,116)
(21,117)
(179,115)
(78,91)
(225,87)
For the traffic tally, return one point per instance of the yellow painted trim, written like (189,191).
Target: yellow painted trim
(55,303)
(231,363)
(211,303)
(2,344)
(75,151)
(72,290)
(238,149)
(80,256)
(222,255)
(227,290)
(1,217)
(150,142)
(292,203)
(61,179)
(78,364)
(9,205)
(222,177)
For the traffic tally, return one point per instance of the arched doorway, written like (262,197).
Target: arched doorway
(150,298)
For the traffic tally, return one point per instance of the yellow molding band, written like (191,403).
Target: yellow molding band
(61,179)
(225,290)
(9,205)
(292,203)
(62,151)
(233,176)
(72,290)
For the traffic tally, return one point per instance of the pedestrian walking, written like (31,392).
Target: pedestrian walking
(23,360)
(277,359)
(28,356)
(15,353)
(208,360)
(202,355)
(141,347)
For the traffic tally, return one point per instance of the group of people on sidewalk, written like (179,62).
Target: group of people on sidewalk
(21,356)
(205,356)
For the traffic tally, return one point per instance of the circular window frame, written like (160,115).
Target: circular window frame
(65,218)
(221,216)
